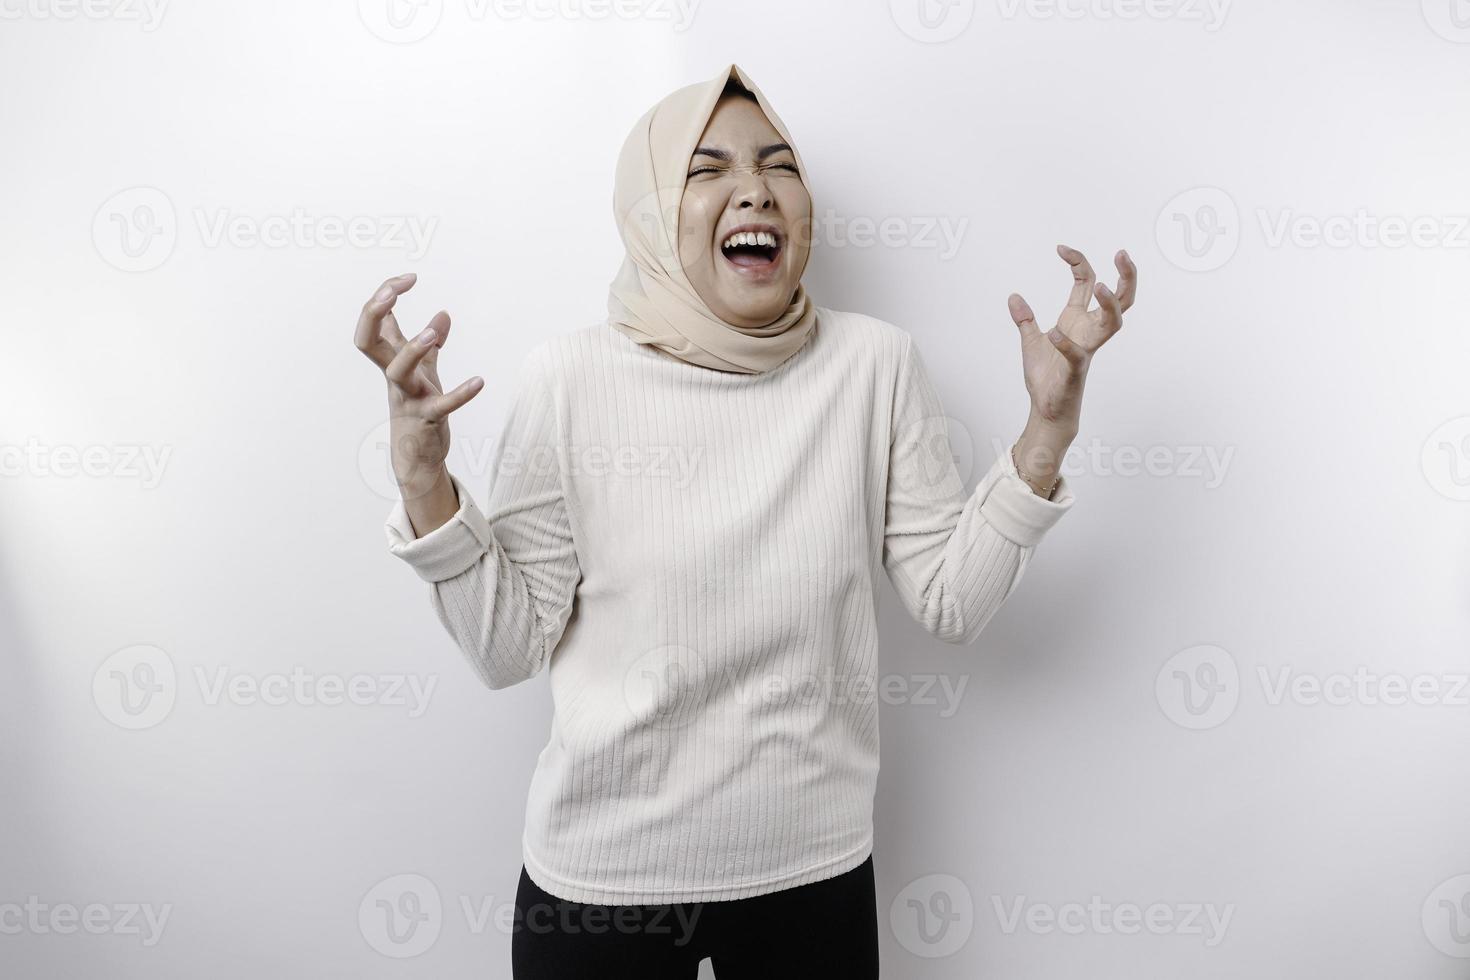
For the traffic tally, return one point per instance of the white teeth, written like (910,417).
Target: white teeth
(750,238)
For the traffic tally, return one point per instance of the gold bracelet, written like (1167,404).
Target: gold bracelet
(1049,492)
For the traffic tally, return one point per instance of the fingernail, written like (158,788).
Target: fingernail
(427,337)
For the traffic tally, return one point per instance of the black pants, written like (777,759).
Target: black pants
(824,929)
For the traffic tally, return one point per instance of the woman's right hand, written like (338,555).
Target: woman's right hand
(418,406)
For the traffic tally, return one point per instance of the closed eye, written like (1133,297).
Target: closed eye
(714,170)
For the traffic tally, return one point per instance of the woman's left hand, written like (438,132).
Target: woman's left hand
(1055,363)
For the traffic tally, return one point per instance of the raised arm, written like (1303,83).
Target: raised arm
(954,557)
(502,585)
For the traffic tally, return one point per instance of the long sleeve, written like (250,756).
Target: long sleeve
(954,557)
(504,586)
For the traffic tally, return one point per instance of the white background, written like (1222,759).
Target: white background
(1082,763)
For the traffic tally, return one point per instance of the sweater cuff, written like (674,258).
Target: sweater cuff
(1015,510)
(447,550)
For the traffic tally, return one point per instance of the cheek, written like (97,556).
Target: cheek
(697,215)
(796,205)
(795,202)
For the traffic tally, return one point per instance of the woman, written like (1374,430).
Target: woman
(690,506)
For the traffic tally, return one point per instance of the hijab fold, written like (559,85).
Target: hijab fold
(651,299)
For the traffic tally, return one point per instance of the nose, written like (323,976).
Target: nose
(752,193)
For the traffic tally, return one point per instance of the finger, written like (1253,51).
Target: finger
(1127,278)
(369,337)
(403,369)
(1074,354)
(439,323)
(379,307)
(1025,319)
(1110,311)
(1082,277)
(442,405)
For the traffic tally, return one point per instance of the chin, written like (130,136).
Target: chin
(756,305)
(757,312)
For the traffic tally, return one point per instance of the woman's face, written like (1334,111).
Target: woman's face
(743,181)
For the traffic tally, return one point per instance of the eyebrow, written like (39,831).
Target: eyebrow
(761,154)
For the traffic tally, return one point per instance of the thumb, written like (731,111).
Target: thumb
(1025,319)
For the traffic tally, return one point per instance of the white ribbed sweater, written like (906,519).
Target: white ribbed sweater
(696,556)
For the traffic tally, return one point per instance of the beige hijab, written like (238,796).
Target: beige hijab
(651,299)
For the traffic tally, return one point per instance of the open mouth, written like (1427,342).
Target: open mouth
(755,249)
